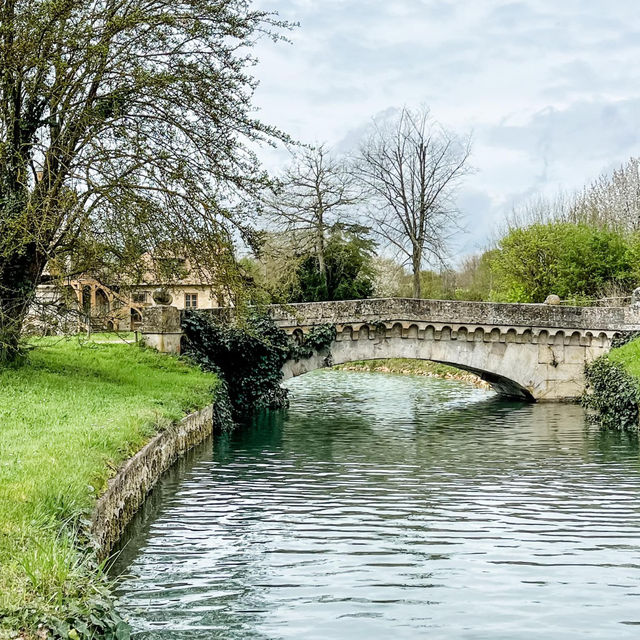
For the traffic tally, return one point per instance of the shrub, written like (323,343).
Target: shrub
(624,338)
(613,393)
(570,260)
(248,359)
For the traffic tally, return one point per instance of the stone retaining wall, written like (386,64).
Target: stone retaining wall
(129,488)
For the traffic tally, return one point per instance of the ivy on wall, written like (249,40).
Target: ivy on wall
(248,360)
(624,338)
(319,338)
(613,394)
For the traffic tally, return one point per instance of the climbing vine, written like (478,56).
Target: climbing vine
(613,394)
(248,359)
(624,338)
(319,338)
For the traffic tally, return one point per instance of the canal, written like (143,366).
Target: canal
(384,506)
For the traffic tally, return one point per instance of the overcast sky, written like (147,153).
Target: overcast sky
(549,88)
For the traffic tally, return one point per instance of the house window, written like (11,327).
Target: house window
(139,297)
(190,300)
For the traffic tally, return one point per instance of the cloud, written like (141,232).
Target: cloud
(551,89)
(584,135)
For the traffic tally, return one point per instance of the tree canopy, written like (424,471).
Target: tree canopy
(349,271)
(125,124)
(569,260)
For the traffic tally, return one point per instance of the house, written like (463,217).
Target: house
(82,302)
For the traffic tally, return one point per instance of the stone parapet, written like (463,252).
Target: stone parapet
(457,312)
(161,328)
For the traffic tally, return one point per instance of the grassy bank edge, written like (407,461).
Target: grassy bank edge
(68,419)
(628,357)
(408,367)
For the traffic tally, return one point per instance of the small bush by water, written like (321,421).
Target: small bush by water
(613,386)
(68,418)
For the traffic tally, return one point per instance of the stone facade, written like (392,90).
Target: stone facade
(81,303)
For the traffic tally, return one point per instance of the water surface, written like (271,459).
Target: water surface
(386,506)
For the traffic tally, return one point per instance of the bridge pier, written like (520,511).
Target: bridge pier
(162,328)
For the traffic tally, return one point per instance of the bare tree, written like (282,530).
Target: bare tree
(613,200)
(610,201)
(314,195)
(411,168)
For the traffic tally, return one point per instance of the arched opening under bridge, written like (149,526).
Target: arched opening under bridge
(517,362)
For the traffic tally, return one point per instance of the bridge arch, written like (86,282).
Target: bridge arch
(467,348)
(522,362)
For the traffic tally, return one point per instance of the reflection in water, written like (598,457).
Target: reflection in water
(388,506)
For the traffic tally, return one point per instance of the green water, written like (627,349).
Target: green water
(383,507)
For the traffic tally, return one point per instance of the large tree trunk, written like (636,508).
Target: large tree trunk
(322,266)
(417,289)
(20,275)
(11,318)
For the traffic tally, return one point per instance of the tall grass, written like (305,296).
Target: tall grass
(68,418)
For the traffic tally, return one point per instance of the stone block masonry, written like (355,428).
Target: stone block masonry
(161,328)
(134,480)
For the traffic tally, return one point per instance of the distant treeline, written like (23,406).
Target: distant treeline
(583,248)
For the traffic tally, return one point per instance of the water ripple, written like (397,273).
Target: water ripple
(386,506)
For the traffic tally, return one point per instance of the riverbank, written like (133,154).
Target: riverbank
(68,420)
(414,368)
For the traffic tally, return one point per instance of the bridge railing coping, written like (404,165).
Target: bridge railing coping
(161,326)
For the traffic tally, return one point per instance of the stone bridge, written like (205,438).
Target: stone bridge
(533,351)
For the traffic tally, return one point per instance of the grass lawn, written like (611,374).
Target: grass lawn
(68,418)
(111,336)
(628,356)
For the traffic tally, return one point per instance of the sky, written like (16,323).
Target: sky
(549,89)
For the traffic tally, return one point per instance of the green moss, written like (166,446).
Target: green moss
(68,418)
